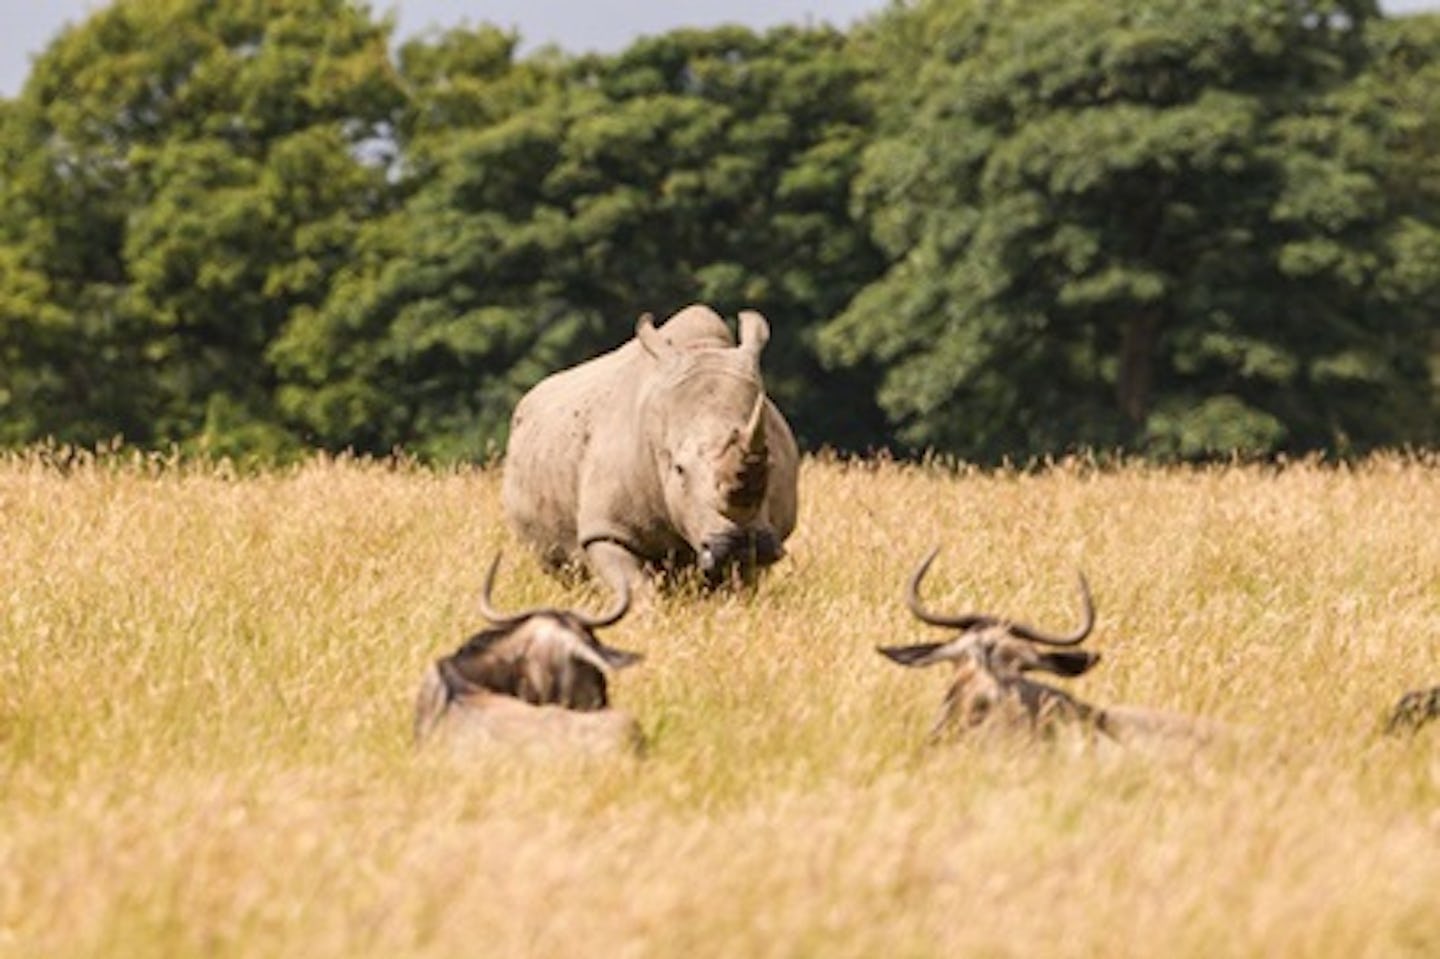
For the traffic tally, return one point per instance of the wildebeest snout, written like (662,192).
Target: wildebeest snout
(747,549)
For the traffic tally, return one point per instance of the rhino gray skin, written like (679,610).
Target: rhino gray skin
(664,452)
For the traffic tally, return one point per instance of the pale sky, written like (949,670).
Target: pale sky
(27,26)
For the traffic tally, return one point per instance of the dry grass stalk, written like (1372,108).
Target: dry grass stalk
(205,698)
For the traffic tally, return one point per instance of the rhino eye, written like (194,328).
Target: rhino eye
(679,469)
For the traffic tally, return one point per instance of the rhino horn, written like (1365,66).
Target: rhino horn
(754,436)
(754,333)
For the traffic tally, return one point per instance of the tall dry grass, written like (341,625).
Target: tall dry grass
(205,685)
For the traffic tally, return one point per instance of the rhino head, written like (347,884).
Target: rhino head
(707,430)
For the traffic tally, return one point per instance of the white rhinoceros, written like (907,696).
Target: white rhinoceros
(661,453)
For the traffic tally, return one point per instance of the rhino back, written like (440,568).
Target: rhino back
(553,444)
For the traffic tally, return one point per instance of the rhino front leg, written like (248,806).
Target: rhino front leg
(617,567)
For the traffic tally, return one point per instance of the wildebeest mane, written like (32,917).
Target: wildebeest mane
(469,668)
(482,641)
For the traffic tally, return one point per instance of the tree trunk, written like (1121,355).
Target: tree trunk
(1137,346)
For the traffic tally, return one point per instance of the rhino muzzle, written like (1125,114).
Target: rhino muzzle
(747,549)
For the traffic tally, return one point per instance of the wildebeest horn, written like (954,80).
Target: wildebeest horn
(1069,639)
(912,600)
(608,618)
(611,616)
(754,332)
(496,617)
(972,620)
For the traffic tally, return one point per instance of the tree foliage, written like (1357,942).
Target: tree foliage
(179,177)
(546,203)
(1164,226)
(993,229)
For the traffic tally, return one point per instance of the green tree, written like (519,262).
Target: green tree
(179,177)
(547,202)
(1399,96)
(415,343)
(1161,225)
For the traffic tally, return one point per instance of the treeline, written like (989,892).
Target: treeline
(991,229)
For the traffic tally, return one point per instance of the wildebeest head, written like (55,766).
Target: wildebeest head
(992,657)
(1414,710)
(543,656)
(710,444)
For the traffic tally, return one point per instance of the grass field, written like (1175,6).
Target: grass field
(206,683)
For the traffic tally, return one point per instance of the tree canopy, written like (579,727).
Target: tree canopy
(180,177)
(1170,227)
(997,229)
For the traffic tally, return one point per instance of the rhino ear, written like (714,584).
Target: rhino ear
(754,332)
(650,337)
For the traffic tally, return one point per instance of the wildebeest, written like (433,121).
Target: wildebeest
(535,679)
(1415,709)
(664,452)
(991,689)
